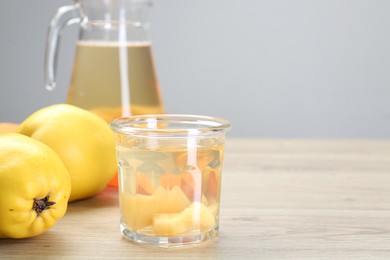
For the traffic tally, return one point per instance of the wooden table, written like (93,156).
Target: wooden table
(281,199)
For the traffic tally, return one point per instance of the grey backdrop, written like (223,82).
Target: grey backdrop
(275,68)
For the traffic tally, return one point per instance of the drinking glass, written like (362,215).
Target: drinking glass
(169,170)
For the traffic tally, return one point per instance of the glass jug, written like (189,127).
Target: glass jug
(113,72)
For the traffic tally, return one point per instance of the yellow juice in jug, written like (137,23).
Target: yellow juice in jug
(115,79)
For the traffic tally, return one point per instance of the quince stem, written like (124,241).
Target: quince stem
(40,205)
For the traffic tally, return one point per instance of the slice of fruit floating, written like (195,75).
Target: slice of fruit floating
(189,182)
(196,217)
(169,224)
(137,210)
(170,201)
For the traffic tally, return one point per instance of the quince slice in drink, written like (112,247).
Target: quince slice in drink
(171,201)
(169,224)
(137,210)
(198,216)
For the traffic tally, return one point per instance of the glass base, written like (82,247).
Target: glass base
(169,242)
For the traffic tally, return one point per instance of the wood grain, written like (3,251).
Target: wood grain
(281,199)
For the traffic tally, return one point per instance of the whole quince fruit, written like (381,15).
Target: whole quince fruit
(84,142)
(34,187)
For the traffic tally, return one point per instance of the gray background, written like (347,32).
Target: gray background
(275,68)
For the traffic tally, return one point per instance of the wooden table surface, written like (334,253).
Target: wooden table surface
(281,199)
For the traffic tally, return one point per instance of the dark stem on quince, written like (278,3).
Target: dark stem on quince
(40,205)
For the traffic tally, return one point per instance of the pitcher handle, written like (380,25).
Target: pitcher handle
(65,16)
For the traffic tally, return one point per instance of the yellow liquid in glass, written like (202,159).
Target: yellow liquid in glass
(169,193)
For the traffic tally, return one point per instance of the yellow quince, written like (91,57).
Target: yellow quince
(34,187)
(84,142)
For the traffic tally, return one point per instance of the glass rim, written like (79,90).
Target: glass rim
(170,125)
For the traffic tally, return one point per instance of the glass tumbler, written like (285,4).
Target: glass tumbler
(169,172)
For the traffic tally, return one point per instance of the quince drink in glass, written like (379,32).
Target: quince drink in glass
(169,169)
